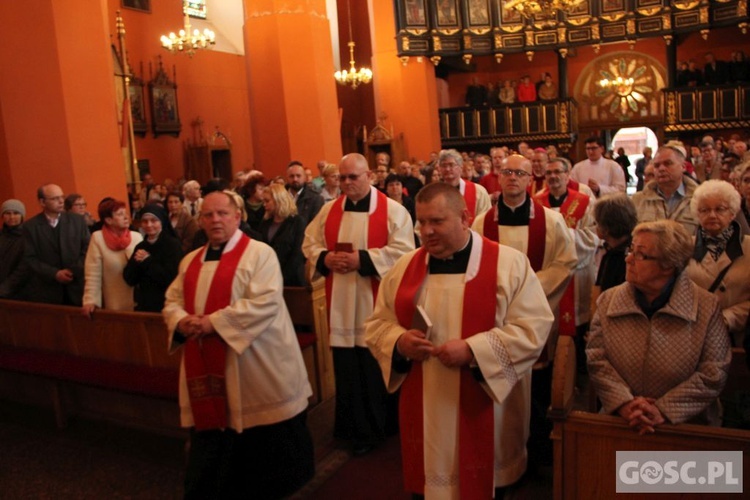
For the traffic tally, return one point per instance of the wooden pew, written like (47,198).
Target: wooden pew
(585,443)
(117,366)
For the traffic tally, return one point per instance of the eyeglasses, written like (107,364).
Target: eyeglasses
(448,165)
(637,255)
(55,198)
(518,173)
(592,148)
(83,205)
(555,172)
(718,211)
(351,177)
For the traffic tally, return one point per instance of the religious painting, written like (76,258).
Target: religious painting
(479,13)
(580,10)
(508,16)
(164,111)
(415,13)
(613,5)
(447,14)
(142,5)
(137,107)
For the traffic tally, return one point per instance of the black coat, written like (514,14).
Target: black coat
(152,276)
(309,204)
(48,250)
(287,243)
(14,272)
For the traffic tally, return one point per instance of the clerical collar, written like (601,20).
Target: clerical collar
(214,253)
(557,202)
(515,216)
(362,205)
(455,264)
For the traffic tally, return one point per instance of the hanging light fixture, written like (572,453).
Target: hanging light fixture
(353,77)
(188,41)
(543,8)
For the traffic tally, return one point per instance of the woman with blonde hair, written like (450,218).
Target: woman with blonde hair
(331,190)
(284,231)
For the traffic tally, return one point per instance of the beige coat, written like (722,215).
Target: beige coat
(734,290)
(650,206)
(680,357)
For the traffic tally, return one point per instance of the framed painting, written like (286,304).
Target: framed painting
(414,13)
(479,13)
(508,16)
(141,5)
(165,114)
(447,14)
(138,106)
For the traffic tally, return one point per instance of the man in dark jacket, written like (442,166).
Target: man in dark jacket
(308,201)
(55,245)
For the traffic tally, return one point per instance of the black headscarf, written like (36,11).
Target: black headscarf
(159,211)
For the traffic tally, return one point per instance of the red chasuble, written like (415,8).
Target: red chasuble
(476,415)
(572,210)
(537,240)
(377,235)
(205,358)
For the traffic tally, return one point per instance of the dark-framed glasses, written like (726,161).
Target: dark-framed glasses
(703,211)
(351,177)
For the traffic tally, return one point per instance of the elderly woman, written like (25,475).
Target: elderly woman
(252,192)
(332,188)
(658,349)
(109,251)
(284,231)
(155,260)
(13,270)
(183,224)
(76,204)
(615,217)
(721,259)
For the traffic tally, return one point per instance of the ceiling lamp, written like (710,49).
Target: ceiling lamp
(188,41)
(352,77)
(542,8)
(616,82)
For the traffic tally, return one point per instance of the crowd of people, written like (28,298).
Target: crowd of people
(714,72)
(449,280)
(511,91)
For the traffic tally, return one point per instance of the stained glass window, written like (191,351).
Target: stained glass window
(197,8)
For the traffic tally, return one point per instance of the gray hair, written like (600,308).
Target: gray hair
(716,189)
(451,154)
(672,239)
(562,161)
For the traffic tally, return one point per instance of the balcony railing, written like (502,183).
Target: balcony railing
(707,108)
(553,121)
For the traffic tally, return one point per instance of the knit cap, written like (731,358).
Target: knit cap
(14,206)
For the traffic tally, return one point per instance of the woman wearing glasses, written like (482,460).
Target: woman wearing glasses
(721,259)
(658,349)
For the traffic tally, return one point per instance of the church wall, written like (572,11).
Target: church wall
(212,85)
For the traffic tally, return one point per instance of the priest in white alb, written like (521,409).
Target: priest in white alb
(243,385)
(354,241)
(489,321)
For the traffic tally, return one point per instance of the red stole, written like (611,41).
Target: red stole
(572,210)
(476,415)
(205,359)
(537,184)
(537,241)
(574,185)
(377,236)
(470,196)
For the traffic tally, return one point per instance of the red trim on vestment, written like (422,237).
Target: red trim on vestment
(470,196)
(377,237)
(537,237)
(205,358)
(476,415)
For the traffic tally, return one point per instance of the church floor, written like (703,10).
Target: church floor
(94,460)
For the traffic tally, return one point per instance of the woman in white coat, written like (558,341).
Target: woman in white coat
(108,253)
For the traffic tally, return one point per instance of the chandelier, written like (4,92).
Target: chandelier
(542,8)
(353,77)
(617,83)
(188,41)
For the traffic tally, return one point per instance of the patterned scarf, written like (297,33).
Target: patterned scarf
(717,244)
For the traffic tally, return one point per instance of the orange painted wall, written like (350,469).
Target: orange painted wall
(407,94)
(58,119)
(212,85)
(292,93)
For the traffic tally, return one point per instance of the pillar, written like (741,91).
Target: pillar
(58,112)
(292,94)
(407,94)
